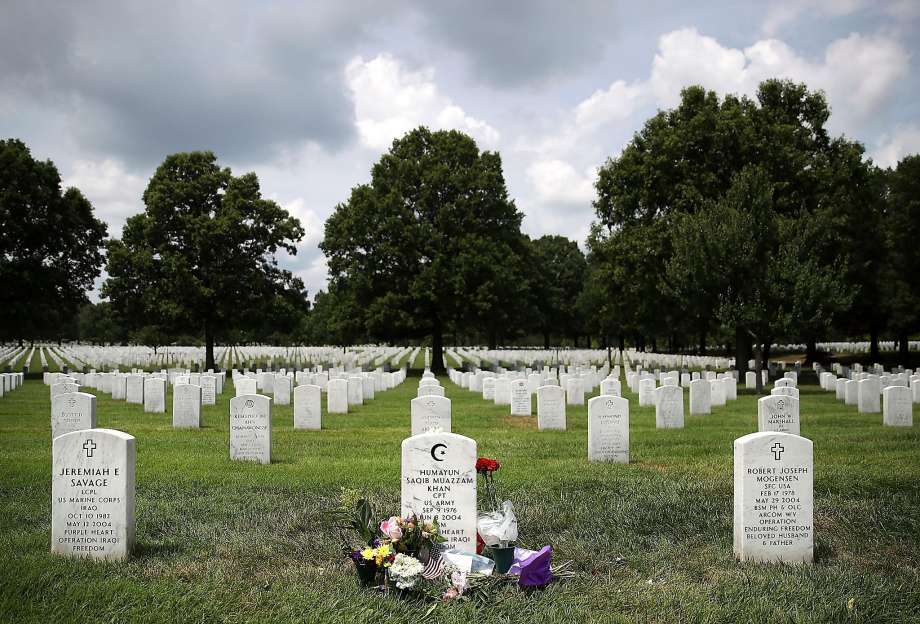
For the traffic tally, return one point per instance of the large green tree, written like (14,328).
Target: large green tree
(433,241)
(203,254)
(50,246)
(901,271)
(685,161)
(560,269)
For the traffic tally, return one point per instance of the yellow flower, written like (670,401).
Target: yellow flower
(367,553)
(383,550)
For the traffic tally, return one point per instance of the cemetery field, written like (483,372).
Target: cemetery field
(222,541)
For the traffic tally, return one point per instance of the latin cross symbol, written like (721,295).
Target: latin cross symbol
(777,450)
(89,446)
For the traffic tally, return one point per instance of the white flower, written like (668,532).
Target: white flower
(405,570)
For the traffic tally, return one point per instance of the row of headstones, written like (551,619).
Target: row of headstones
(10,382)
(93,487)
(897,392)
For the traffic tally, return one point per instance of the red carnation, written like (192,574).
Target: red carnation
(486,465)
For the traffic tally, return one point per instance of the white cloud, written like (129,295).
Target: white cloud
(617,102)
(891,149)
(858,72)
(558,181)
(115,193)
(390,100)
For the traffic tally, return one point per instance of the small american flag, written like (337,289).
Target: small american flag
(435,566)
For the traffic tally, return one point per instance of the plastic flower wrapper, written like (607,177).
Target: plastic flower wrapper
(535,568)
(468,562)
(500,527)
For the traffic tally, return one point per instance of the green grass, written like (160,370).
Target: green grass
(234,542)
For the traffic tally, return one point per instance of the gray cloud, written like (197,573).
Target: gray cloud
(241,79)
(516,43)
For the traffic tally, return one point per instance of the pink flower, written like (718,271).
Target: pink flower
(391,529)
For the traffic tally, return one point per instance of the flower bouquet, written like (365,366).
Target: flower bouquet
(497,528)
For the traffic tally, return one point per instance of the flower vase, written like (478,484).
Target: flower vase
(367,573)
(503,556)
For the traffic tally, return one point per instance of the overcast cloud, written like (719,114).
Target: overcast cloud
(309,94)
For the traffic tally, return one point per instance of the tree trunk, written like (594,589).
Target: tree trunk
(621,339)
(873,345)
(758,366)
(609,356)
(493,339)
(766,353)
(742,350)
(702,349)
(208,346)
(903,349)
(546,340)
(437,349)
(654,344)
(811,350)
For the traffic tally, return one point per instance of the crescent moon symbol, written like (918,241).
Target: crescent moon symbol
(435,448)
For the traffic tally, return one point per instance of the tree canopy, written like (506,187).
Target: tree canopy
(203,254)
(50,246)
(432,240)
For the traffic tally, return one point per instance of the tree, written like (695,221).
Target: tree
(50,246)
(560,267)
(203,252)
(685,160)
(432,240)
(901,276)
(98,323)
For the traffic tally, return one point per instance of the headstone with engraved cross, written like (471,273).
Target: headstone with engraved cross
(774,498)
(92,494)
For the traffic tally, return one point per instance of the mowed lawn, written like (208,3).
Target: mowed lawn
(221,541)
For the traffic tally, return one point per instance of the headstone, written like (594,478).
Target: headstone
(245,385)
(355,390)
(669,407)
(281,386)
(869,393)
(575,391)
(488,389)
(646,392)
(502,391)
(439,481)
(611,387)
(187,401)
(63,387)
(430,390)
(155,395)
(92,494)
(208,389)
(72,411)
(520,398)
(700,402)
(608,429)
(134,389)
(337,396)
(251,428)
(851,393)
(550,408)
(716,392)
(308,407)
(897,407)
(778,413)
(429,412)
(750,380)
(774,498)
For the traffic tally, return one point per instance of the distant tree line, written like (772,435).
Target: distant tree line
(725,221)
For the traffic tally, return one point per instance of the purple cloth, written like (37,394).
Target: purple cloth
(534,569)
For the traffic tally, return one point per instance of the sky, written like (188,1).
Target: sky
(310,94)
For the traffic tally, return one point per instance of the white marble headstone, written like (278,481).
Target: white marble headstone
(550,408)
(608,429)
(187,406)
(308,407)
(72,411)
(520,398)
(337,396)
(155,395)
(439,481)
(92,494)
(897,407)
(669,407)
(700,400)
(429,412)
(778,413)
(251,428)
(774,498)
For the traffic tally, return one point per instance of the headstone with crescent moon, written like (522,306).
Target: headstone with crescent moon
(439,481)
